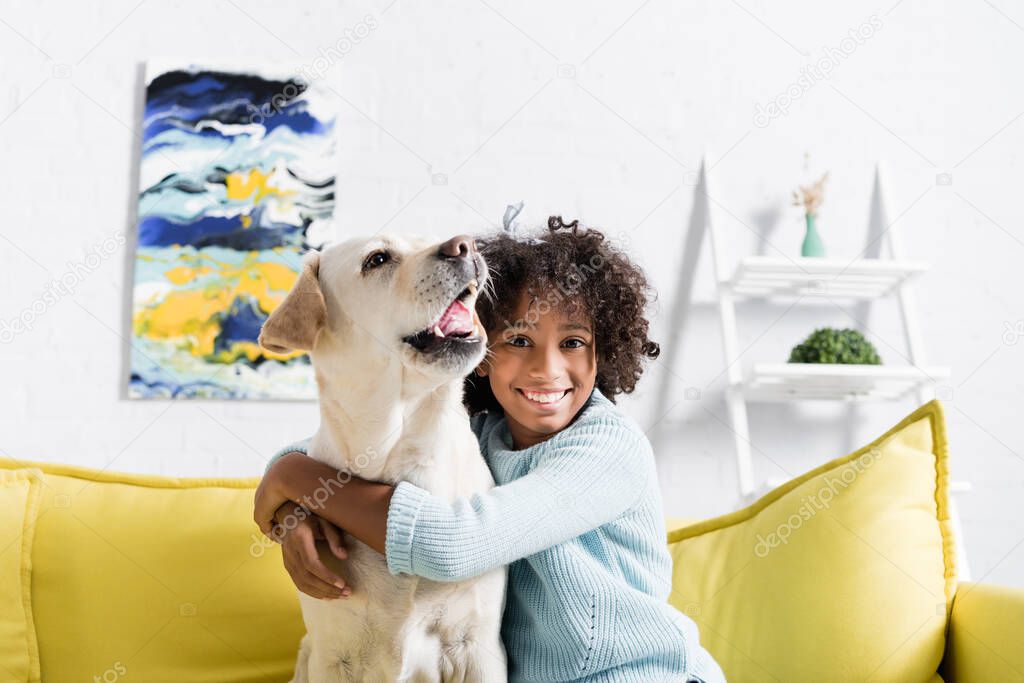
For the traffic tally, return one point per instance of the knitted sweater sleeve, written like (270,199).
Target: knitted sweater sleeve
(301,446)
(584,477)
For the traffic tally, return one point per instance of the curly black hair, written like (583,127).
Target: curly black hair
(574,270)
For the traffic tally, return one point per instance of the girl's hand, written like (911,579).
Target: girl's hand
(275,489)
(297,531)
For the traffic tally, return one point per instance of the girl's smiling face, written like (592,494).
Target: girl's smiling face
(542,370)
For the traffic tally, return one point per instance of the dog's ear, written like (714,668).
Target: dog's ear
(295,324)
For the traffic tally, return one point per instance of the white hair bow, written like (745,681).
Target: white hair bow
(511,228)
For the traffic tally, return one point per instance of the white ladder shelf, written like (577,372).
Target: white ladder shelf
(867,279)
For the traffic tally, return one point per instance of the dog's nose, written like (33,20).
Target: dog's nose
(458,246)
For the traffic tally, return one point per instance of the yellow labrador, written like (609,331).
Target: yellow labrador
(392,331)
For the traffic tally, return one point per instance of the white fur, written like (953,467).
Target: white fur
(389,415)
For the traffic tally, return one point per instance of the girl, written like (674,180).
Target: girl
(577,509)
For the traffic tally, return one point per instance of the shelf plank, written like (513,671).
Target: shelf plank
(769,276)
(776,382)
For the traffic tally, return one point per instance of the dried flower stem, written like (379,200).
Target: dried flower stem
(811,196)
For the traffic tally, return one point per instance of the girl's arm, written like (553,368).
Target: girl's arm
(356,505)
(584,479)
(587,478)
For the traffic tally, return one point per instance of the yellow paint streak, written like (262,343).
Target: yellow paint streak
(241,186)
(192,316)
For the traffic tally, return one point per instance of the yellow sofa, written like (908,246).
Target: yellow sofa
(105,576)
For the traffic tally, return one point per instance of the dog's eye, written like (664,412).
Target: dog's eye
(377,258)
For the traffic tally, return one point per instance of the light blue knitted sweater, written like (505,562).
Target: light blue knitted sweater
(578,518)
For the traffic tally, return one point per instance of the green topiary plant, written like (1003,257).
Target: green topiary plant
(828,345)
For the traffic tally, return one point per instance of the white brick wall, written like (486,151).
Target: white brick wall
(475,91)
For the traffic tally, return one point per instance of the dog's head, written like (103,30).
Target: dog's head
(413,298)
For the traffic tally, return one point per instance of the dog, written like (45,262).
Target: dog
(390,325)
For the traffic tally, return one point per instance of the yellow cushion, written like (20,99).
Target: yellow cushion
(156,579)
(843,574)
(985,634)
(672,522)
(19,503)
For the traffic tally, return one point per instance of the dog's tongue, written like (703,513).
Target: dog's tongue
(456,319)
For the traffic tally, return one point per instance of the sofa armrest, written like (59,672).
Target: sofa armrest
(984,640)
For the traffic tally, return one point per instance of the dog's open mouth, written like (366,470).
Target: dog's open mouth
(457,324)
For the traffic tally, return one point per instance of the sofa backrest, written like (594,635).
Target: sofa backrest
(153,579)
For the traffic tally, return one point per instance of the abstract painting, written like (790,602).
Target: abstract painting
(236,182)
